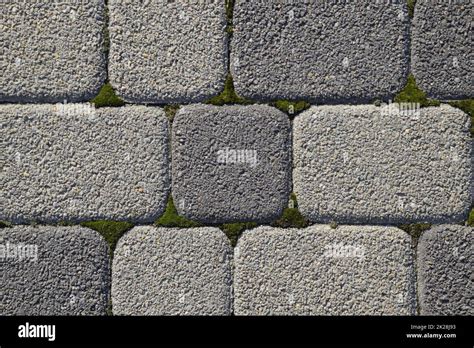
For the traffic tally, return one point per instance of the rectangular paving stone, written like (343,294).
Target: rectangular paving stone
(351,270)
(445,271)
(49,270)
(231,163)
(166,271)
(442,52)
(73,162)
(51,50)
(320,51)
(368,164)
(167,51)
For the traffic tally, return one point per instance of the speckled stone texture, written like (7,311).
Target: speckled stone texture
(169,271)
(167,51)
(51,50)
(70,274)
(371,165)
(442,52)
(231,163)
(74,163)
(319,51)
(445,271)
(352,270)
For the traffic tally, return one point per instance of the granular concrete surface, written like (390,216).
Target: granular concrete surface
(52,270)
(51,50)
(72,162)
(350,270)
(167,51)
(231,163)
(377,165)
(169,271)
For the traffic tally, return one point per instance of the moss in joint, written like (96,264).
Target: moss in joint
(170,111)
(228,95)
(470,219)
(467,106)
(110,230)
(291,217)
(413,94)
(415,230)
(411,7)
(292,108)
(229,9)
(107,97)
(171,218)
(234,230)
(5,224)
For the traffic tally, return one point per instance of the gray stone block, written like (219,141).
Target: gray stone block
(231,163)
(48,270)
(51,50)
(170,271)
(167,51)
(320,51)
(442,56)
(74,162)
(351,270)
(378,165)
(445,271)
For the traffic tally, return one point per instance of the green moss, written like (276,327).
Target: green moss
(412,94)
(234,230)
(228,95)
(467,106)
(292,108)
(170,111)
(415,230)
(229,8)
(170,218)
(4,224)
(291,217)
(105,30)
(110,230)
(411,7)
(470,219)
(107,97)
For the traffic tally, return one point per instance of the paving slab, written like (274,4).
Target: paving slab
(170,271)
(51,270)
(379,165)
(445,270)
(320,51)
(351,270)
(167,51)
(51,50)
(72,162)
(231,163)
(441,53)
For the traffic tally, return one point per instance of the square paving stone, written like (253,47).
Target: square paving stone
(442,52)
(73,162)
(166,271)
(51,50)
(351,270)
(167,51)
(379,165)
(320,51)
(50,270)
(231,163)
(445,270)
